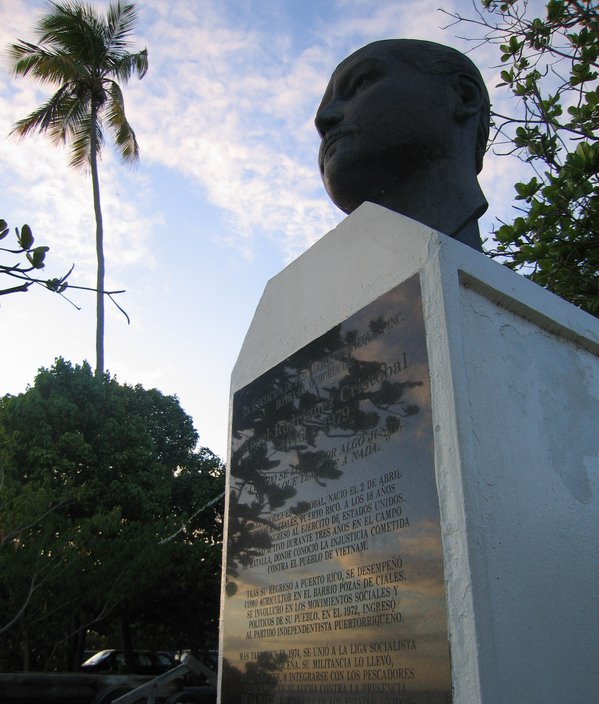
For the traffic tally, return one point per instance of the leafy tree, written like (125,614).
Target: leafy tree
(108,516)
(550,64)
(85,55)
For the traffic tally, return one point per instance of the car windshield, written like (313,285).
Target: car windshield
(97,657)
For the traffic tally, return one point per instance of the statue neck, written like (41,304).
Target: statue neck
(441,197)
(468,232)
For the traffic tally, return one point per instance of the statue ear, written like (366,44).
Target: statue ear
(471,97)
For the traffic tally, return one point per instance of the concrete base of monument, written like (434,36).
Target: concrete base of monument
(514,389)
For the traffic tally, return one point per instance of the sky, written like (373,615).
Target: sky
(227,191)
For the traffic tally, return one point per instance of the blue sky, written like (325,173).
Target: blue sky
(226,194)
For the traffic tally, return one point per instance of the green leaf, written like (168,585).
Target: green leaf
(36,257)
(25,237)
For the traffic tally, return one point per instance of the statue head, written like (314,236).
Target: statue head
(404,123)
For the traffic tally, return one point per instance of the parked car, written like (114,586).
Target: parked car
(146,662)
(208,657)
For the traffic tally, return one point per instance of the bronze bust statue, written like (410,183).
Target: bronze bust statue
(404,123)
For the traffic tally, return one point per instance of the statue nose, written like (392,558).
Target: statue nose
(326,118)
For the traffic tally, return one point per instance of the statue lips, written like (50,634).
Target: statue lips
(331,137)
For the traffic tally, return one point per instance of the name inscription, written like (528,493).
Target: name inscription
(334,587)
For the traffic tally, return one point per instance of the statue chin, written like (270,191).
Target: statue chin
(348,188)
(347,194)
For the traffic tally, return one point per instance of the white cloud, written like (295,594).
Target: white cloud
(235,121)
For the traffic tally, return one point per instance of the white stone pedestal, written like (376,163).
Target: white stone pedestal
(515,403)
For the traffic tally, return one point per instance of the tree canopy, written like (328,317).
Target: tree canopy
(101,518)
(550,64)
(86,56)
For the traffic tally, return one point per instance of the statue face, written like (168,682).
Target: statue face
(380,120)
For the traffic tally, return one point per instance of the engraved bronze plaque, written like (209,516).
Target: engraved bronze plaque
(334,590)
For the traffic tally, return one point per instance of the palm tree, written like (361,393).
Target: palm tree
(85,55)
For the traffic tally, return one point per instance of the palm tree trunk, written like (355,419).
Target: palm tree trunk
(93,159)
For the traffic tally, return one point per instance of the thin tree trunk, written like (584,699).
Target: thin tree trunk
(76,644)
(25,650)
(127,642)
(93,158)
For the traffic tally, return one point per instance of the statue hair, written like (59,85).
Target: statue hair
(438,59)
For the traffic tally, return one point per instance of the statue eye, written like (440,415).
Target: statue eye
(362,82)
